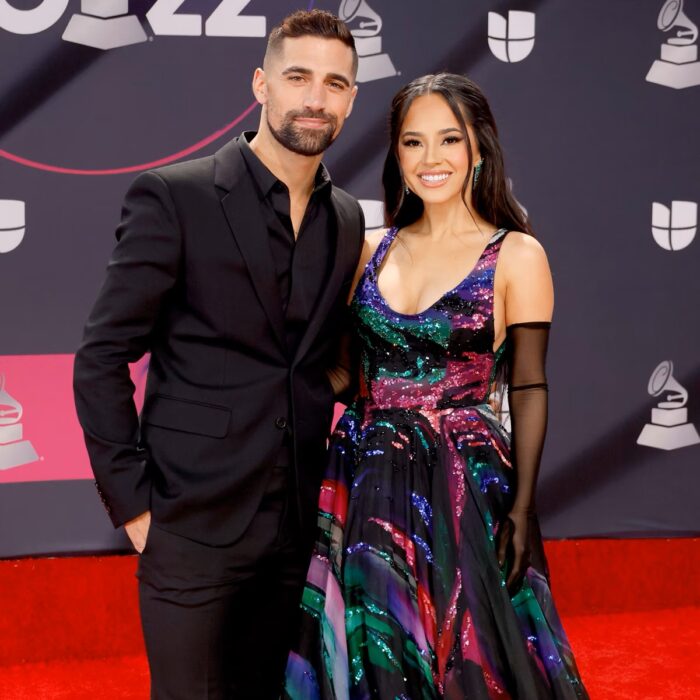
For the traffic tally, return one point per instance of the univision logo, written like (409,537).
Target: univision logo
(511,40)
(674,228)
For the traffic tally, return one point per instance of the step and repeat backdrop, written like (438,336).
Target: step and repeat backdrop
(598,105)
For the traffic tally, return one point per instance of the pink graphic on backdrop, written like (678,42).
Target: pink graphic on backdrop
(41,391)
(338,410)
(170,158)
(43,386)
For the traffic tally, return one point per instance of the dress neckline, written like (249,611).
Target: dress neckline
(382,251)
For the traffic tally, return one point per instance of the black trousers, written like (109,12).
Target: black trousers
(218,621)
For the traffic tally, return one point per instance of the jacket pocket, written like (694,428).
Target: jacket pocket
(187,416)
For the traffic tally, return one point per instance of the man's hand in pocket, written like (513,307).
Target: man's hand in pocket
(137,529)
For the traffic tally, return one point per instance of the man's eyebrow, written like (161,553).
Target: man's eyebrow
(307,71)
(340,78)
(297,69)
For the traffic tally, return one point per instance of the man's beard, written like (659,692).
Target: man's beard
(305,142)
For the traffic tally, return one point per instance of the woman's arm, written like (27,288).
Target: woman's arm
(343,374)
(529,305)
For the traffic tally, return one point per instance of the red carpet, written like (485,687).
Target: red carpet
(69,627)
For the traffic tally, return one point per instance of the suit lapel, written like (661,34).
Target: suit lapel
(239,203)
(343,252)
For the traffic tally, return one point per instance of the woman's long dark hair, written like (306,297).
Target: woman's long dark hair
(491,198)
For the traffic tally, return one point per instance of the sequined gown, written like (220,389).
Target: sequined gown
(404,598)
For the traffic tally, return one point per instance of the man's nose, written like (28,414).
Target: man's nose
(315,98)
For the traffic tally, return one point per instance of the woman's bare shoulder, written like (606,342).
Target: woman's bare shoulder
(528,279)
(372,241)
(522,248)
(369,247)
(522,255)
(374,238)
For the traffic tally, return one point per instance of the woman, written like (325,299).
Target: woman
(428,578)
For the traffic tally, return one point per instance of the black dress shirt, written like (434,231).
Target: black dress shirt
(301,264)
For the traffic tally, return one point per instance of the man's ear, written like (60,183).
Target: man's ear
(353,95)
(260,86)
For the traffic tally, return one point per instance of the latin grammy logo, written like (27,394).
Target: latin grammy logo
(511,40)
(14,451)
(669,428)
(373,209)
(674,228)
(104,24)
(365,25)
(12,224)
(678,66)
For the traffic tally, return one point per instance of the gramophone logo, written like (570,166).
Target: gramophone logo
(669,428)
(511,40)
(104,24)
(14,451)
(504,414)
(678,66)
(674,228)
(365,25)
(12,224)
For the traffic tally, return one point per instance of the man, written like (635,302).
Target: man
(233,271)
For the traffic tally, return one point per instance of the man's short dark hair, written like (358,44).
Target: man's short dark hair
(311,23)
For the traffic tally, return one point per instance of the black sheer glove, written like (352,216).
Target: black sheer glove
(527,399)
(513,547)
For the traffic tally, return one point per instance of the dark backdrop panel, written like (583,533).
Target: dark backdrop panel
(590,145)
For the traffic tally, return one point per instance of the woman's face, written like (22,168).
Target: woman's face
(432,151)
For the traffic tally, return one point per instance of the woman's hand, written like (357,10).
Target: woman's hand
(513,548)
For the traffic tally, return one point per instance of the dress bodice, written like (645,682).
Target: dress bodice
(437,359)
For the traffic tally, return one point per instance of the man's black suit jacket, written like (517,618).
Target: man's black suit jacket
(191,280)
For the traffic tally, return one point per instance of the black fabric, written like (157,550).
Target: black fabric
(301,263)
(527,400)
(345,372)
(190,281)
(217,620)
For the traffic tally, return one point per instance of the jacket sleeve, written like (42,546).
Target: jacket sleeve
(141,274)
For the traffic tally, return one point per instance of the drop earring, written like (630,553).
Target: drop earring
(477,172)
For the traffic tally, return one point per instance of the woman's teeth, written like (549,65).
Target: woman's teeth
(435,178)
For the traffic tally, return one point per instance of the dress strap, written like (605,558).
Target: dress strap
(377,258)
(497,237)
(493,248)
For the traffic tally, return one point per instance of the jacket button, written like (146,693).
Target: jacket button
(281,423)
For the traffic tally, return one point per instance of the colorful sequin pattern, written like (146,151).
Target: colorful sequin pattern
(404,599)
